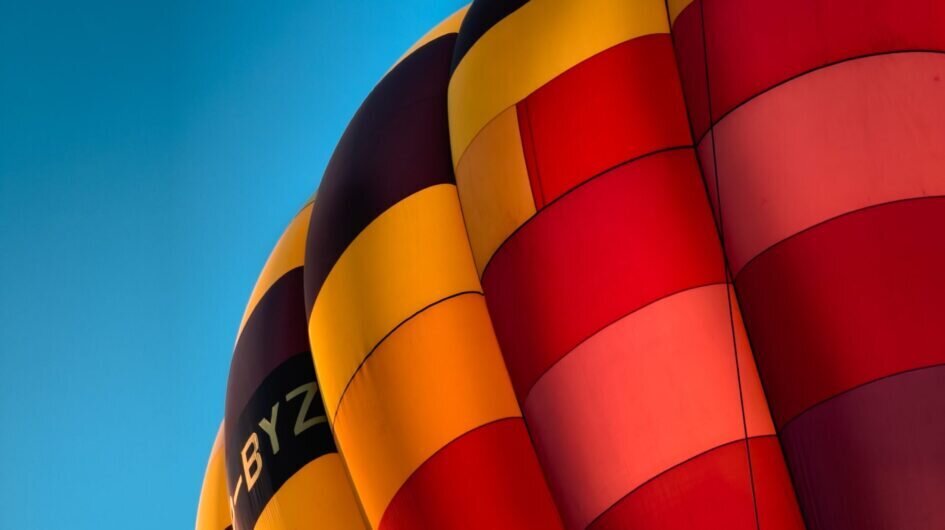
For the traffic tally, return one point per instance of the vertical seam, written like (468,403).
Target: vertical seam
(725,269)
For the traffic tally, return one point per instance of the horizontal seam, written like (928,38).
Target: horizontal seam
(388,334)
(715,123)
(440,450)
(819,224)
(574,188)
(614,321)
(667,470)
(855,388)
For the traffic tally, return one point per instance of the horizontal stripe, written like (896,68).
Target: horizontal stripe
(488,478)
(493,186)
(415,254)
(213,509)
(288,254)
(275,332)
(847,302)
(409,400)
(770,42)
(396,144)
(712,492)
(282,428)
(618,105)
(449,25)
(622,240)
(853,135)
(318,496)
(532,46)
(873,458)
(639,397)
(483,14)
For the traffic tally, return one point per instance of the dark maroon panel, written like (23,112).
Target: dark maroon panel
(689,43)
(396,144)
(848,301)
(275,331)
(873,458)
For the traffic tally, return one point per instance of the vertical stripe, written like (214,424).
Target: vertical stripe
(424,413)
(823,156)
(283,470)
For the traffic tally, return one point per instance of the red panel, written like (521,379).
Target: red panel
(712,492)
(493,479)
(846,302)
(620,104)
(625,239)
(754,45)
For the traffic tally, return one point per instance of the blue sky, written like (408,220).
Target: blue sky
(150,154)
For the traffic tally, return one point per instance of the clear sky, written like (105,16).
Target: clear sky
(150,154)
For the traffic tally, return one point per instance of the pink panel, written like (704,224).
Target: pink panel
(849,136)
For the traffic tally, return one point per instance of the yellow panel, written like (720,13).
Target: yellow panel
(435,378)
(676,7)
(413,255)
(288,254)
(318,496)
(532,46)
(213,510)
(449,25)
(493,186)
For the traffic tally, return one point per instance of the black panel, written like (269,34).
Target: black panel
(295,450)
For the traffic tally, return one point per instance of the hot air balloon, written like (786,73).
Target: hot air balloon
(614,264)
